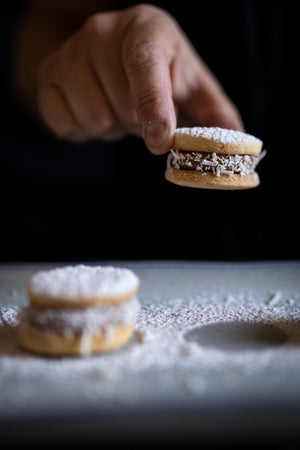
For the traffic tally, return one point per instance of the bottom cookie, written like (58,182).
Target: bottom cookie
(51,343)
(208,180)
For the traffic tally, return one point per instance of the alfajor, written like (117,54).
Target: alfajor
(214,158)
(79,310)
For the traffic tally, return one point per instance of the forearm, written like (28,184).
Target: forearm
(42,29)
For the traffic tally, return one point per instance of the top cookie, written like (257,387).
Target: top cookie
(81,286)
(216,140)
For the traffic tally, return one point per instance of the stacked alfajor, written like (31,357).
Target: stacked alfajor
(214,158)
(79,310)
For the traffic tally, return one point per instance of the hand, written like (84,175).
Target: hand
(130,71)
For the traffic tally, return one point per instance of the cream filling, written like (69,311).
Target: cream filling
(85,320)
(213,162)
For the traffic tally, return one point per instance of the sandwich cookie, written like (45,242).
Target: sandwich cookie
(214,158)
(77,310)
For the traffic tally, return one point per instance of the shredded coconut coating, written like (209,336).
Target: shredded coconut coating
(81,281)
(218,134)
(212,162)
(85,320)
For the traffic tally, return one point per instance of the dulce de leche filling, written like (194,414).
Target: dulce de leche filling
(213,162)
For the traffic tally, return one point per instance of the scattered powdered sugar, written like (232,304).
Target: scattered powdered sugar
(9,316)
(218,134)
(212,162)
(86,320)
(162,360)
(83,282)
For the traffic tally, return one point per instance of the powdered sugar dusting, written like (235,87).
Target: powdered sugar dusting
(162,361)
(9,316)
(83,282)
(218,134)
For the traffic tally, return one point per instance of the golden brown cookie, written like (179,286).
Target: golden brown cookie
(81,286)
(214,158)
(78,310)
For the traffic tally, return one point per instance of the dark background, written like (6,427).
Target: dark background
(67,202)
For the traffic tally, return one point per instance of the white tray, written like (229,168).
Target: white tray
(216,352)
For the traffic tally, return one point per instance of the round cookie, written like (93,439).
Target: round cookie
(81,286)
(48,343)
(79,310)
(214,158)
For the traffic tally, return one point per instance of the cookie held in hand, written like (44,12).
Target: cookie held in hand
(214,158)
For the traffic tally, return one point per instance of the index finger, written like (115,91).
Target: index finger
(147,60)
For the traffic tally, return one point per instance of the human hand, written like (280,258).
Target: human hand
(130,71)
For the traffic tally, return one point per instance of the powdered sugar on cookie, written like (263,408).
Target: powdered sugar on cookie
(218,134)
(84,282)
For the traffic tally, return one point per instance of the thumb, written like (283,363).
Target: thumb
(149,78)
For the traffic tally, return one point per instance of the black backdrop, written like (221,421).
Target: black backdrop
(64,202)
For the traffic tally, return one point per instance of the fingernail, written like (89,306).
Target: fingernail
(155,135)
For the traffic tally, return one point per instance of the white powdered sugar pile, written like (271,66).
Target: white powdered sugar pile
(83,281)
(218,134)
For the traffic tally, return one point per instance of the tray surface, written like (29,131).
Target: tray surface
(209,337)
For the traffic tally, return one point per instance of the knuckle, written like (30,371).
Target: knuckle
(100,123)
(144,9)
(131,124)
(146,39)
(65,130)
(148,12)
(139,51)
(142,41)
(94,33)
(97,29)
(110,130)
(148,99)
(93,24)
